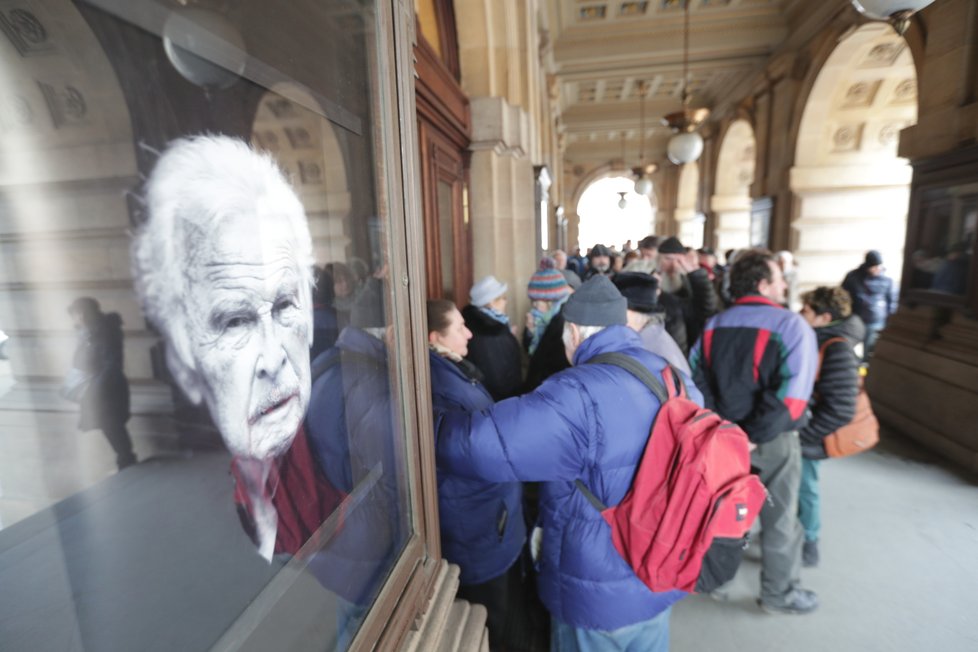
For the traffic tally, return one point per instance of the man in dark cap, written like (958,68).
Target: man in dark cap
(560,433)
(648,252)
(873,297)
(648,318)
(689,284)
(599,261)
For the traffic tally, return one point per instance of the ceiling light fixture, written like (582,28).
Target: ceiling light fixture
(895,12)
(642,172)
(622,203)
(686,145)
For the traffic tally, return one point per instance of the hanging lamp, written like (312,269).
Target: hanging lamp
(895,12)
(686,145)
(642,172)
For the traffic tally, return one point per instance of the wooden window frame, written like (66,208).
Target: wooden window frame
(406,594)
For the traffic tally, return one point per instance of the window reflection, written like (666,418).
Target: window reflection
(941,261)
(210,210)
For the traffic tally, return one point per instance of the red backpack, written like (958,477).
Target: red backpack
(686,518)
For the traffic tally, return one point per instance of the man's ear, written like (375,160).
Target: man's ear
(575,334)
(187,378)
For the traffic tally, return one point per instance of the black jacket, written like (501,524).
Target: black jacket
(495,352)
(699,302)
(550,356)
(675,321)
(833,401)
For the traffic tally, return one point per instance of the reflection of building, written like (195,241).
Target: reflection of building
(418,150)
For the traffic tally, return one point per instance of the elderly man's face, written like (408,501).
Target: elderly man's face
(249,333)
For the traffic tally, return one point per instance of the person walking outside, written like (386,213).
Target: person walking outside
(104,397)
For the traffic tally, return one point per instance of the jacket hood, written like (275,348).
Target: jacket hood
(851,328)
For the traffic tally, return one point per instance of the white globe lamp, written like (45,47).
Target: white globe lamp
(685,147)
(895,12)
(643,186)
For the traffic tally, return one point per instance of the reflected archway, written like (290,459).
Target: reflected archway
(306,147)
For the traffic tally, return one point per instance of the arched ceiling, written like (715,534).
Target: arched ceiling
(603,49)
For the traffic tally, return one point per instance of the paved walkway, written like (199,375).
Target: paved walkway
(899,567)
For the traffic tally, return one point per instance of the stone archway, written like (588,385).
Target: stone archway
(731,201)
(851,190)
(603,221)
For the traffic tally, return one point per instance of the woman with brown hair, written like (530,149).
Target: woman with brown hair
(482,528)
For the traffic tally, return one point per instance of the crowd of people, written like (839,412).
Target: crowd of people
(519,411)
(525,411)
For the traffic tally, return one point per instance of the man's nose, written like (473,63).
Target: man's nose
(271,354)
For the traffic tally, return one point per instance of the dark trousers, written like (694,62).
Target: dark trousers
(494,595)
(121,443)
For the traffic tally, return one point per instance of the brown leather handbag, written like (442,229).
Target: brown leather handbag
(863,431)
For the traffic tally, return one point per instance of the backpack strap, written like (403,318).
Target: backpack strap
(637,369)
(656,386)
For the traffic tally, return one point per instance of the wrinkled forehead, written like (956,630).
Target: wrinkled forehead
(247,238)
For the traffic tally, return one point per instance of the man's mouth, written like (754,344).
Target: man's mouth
(273,406)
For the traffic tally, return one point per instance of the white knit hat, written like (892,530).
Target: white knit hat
(485,290)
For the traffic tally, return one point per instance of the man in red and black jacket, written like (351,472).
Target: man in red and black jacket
(755,365)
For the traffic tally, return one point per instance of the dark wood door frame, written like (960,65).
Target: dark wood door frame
(443,131)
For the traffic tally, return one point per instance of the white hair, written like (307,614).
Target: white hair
(643,319)
(196,184)
(584,331)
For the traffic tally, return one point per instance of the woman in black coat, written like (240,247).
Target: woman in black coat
(493,349)
(98,355)
(833,404)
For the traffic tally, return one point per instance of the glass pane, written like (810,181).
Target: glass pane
(202,440)
(446,236)
(946,240)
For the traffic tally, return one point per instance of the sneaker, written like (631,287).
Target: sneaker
(809,554)
(795,601)
(720,594)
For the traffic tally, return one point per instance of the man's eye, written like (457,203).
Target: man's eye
(285,304)
(235,322)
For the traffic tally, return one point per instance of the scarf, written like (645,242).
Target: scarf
(540,322)
(445,352)
(502,318)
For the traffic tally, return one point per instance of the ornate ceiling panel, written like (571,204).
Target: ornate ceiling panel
(603,50)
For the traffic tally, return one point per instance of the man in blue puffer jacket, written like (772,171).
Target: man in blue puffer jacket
(874,297)
(589,423)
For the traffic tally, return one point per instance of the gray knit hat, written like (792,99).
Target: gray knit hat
(486,290)
(597,303)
